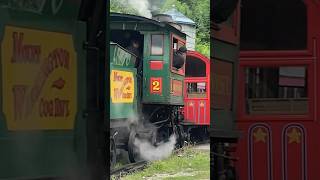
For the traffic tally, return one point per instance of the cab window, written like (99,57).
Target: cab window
(176,44)
(157,44)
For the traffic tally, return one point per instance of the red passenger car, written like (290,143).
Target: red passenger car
(196,96)
(197,89)
(279,90)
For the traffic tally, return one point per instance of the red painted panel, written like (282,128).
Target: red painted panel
(190,111)
(294,153)
(197,109)
(260,166)
(229,33)
(176,87)
(156,65)
(202,112)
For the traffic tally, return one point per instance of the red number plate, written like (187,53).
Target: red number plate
(155,85)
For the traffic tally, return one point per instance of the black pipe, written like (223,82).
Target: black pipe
(93,12)
(217,161)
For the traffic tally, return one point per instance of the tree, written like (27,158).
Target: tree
(119,6)
(198,11)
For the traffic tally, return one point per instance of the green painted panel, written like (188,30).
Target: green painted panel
(121,57)
(118,108)
(166,96)
(123,83)
(163,95)
(45,153)
(223,122)
(63,10)
(225,51)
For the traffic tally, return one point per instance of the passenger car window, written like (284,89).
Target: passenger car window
(273,25)
(197,90)
(199,71)
(280,90)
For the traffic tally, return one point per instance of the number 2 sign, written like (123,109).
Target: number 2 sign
(155,85)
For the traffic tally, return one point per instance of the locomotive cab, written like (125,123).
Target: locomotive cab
(131,41)
(159,41)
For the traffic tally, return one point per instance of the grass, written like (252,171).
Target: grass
(186,164)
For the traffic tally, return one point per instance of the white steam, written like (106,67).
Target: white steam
(149,152)
(142,6)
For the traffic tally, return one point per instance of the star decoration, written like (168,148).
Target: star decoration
(294,136)
(260,135)
(201,104)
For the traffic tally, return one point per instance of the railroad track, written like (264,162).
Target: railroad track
(132,167)
(128,168)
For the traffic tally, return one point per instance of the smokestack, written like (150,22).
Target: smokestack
(162,18)
(167,19)
(155,12)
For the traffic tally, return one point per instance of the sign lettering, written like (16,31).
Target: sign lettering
(39,79)
(122,86)
(121,57)
(155,85)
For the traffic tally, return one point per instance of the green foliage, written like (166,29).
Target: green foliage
(187,164)
(203,49)
(119,6)
(199,12)
(181,6)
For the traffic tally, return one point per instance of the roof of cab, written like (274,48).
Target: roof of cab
(117,17)
(178,17)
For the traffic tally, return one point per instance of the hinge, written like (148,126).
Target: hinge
(86,46)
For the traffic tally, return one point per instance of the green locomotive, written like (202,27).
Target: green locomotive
(150,101)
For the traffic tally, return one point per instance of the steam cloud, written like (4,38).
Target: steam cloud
(149,152)
(142,6)
(146,150)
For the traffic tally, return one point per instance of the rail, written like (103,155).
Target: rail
(128,168)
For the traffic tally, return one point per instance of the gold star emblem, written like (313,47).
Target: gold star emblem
(294,136)
(201,104)
(260,135)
